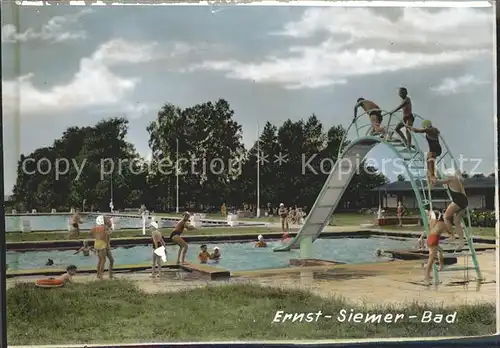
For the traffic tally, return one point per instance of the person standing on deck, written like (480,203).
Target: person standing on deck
(75,222)
(176,237)
(400,213)
(283,213)
(102,245)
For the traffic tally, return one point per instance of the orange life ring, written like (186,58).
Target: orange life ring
(49,283)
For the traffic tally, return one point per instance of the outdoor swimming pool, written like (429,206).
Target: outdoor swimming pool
(235,256)
(60,222)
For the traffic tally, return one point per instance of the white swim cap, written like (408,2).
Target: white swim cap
(260,237)
(154,224)
(216,248)
(99,220)
(282,205)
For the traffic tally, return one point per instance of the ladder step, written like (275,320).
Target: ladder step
(440,200)
(336,187)
(325,206)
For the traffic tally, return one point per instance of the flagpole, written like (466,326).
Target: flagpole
(177,175)
(258,170)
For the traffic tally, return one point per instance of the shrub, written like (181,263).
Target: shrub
(482,218)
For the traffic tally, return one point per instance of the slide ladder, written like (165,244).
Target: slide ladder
(351,154)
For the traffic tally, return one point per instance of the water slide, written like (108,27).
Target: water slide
(414,161)
(337,182)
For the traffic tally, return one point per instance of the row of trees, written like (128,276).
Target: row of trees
(93,164)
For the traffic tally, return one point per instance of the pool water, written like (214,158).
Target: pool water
(60,222)
(235,256)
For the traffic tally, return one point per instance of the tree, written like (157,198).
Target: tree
(478,176)
(401,177)
(79,166)
(204,143)
(209,147)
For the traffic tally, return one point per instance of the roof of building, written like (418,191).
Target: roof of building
(470,183)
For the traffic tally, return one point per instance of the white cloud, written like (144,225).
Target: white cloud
(362,42)
(94,84)
(54,30)
(448,27)
(131,110)
(462,84)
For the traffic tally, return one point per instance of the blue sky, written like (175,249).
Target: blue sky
(75,65)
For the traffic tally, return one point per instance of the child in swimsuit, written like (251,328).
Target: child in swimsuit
(456,209)
(85,249)
(432,136)
(261,243)
(374,112)
(70,272)
(408,117)
(157,242)
(400,213)
(437,226)
(102,245)
(216,254)
(203,256)
(76,220)
(175,236)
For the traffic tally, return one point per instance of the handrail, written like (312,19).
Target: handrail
(422,190)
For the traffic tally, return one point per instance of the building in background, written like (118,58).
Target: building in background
(480,192)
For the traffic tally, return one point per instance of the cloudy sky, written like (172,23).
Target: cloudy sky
(66,66)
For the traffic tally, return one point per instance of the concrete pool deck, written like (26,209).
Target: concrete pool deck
(329,231)
(360,283)
(208,270)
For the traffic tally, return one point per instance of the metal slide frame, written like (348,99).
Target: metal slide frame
(359,147)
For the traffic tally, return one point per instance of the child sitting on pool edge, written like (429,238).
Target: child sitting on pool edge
(204,255)
(68,276)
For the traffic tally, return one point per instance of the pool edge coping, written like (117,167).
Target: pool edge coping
(144,240)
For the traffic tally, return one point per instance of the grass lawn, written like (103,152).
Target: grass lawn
(58,235)
(116,311)
(339,219)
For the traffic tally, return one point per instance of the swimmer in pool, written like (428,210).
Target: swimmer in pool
(261,242)
(68,276)
(175,236)
(49,262)
(75,223)
(85,249)
(216,254)
(203,256)
(102,245)
(437,227)
(456,209)
(157,242)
